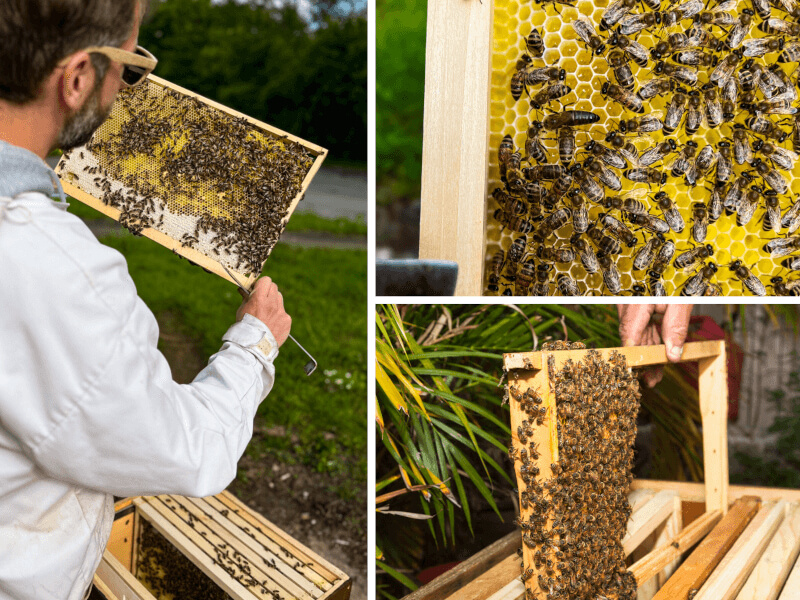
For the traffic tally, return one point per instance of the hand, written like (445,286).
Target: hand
(266,304)
(649,324)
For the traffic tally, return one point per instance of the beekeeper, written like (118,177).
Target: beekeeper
(88,407)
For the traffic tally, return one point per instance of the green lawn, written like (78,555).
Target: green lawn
(325,291)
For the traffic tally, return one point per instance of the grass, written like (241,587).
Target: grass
(327,412)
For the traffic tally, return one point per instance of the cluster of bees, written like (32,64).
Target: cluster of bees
(573,523)
(724,70)
(172,151)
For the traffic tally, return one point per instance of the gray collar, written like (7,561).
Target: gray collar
(22,171)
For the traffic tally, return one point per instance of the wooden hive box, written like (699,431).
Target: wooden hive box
(468,109)
(235,551)
(744,541)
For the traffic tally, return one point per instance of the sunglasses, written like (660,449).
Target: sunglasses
(138,64)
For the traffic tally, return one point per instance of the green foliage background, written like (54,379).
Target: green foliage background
(308,79)
(399,89)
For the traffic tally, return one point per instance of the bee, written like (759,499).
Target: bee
(508,203)
(611,275)
(661,262)
(555,3)
(796,134)
(648,222)
(542,286)
(657,86)
(715,205)
(725,68)
(498,260)
(790,288)
(719,15)
(687,10)
(566,145)
(674,43)
(712,106)
(646,124)
(626,98)
(622,71)
(763,126)
(773,179)
(779,105)
(516,253)
(701,165)
(658,152)
(513,222)
(671,213)
(624,146)
(615,11)
(617,229)
(525,278)
(585,253)
(567,286)
(534,43)
(637,289)
(515,178)
(593,190)
(741,28)
(762,8)
(647,253)
(555,255)
(505,150)
(695,57)
(629,202)
(684,159)
(638,22)
(791,218)
(724,161)
(678,73)
(551,92)
(633,49)
(782,246)
(782,157)
(605,243)
(580,214)
(750,281)
(544,172)
(735,193)
(694,114)
(570,118)
(544,75)
(791,52)
(686,259)
(657,288)
(552,223)
(585,31)
(741,146)
(518,84)
(772,216)
(697,284)
(562,184)
(646,175)
(786,86)
(608,155)
(523,62)
(698,36)
(778,26)
(761,46)
(792,263)
(699,222)
(606,176)
(675,110)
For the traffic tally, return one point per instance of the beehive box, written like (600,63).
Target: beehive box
(469,108)
(749,537)
(214,185)
(170,547)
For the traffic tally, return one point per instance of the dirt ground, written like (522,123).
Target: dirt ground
(293,497)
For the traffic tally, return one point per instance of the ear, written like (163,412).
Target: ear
(77,81)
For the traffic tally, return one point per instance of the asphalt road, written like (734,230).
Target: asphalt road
(337,192)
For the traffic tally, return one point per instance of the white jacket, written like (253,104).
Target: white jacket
(88,407)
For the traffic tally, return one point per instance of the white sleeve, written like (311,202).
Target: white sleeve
(105,413)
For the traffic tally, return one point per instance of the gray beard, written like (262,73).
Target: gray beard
(79,128)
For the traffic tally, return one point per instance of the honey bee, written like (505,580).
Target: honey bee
(544,172)
(646,124)
(534,43)
(517,250)
(638,22)
(699,222)
(725,68)
(647,253)
(498,260)
(649,222)
(555,221)
(674,43)
(686,10)
(585,31)
(566,145)
(633,49)
(551,92)
(701,165)
(611,276)
(782,157)
(555,255)
(593,190)
(686,259)
(724,161)
(605,243)
(740,29)
(735,193)
(772,178)
(563,183)
(782,246)
(544,75)
(617,229)
(715,205)
(513,222)
(778,26)
(580,214)
(761,46)
(533,146)
(542,285)
(790,288)
(671,213)
(657,86)
(646,175)
(622,73)
(695,57)
(505,150)
(567,286)
(658,152)
(629,202)
(585,253)
(675,111)
(684,159)
(657,287)
(762,8)
(719,15)
(615,11)
(661,262)
(570,118)
(791,218)
(694,114)
(700,37)
(697,284)
(525,278)
(791,52)
(796,134)
(772,216)
(712,105)
(518,84)
(678,73)
(608,155)
(624,146)
(746,276)
(606,176)
(741,146)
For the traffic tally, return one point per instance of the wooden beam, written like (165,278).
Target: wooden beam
(695,492)
(769,575)
(455,147)
(791,590)
(700,564)
(645,520)
(488,584)
(712,387)
(119,580)
(637,356)
(729,577)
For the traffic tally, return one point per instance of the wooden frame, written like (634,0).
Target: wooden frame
(175,245)
(197,527)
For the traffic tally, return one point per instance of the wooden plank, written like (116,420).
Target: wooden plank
(278,541)
(119,580)
(637,356)
(101,587)
(791,590)
(652,564)
(769,575)
(121,541)
(700,564)
(455,147)
(460,576)
(644,521)
(672,529)
(729,577)
(510,592)
(712,387)
(491,581)
(662,536)
(638,498)
(695,492)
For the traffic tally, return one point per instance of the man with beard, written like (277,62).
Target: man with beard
(88,407)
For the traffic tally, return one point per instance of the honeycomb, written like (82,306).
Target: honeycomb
(209,180)
(586,73)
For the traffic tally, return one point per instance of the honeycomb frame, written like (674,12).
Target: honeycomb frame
(586,73)
(80,180)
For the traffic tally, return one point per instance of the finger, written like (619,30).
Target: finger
(653,376)
(632,323)
(675,328)
(651,336)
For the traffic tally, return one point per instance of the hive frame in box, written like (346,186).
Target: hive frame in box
(175,245)
(224,518)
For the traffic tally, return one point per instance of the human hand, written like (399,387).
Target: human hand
(649,324)
(266,304)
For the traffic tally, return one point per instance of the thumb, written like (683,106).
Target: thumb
(633,320)
(674,329)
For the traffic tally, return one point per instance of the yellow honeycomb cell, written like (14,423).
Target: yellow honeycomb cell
(585,75)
